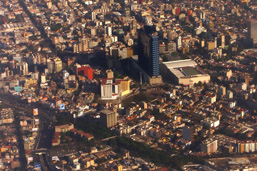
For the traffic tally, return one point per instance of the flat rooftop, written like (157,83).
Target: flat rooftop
(184,68)
(233,163)
(190,71)
(180,63)
(106,112)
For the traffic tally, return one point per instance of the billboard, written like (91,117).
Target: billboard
(62,106)
(35,111)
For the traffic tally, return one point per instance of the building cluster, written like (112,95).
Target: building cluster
(69,128)
(30,131)
(6,116)
(9,154)
(105,158)
(93,157)
(222,143)
(225,163)
(54,54)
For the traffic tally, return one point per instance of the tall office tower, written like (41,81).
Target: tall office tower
(179,42)
(75,48)
(252,30)
(216,43)
(93,16)
(43,78)
(25,68)
(108,30)
(148,50)
(80,47)
(39,58)
(58,65)
(108,118)
(247,81)
(82,31)
(50,66)
(134,25)
(22,68)
(49,4)
(223,41)
(84,41)
(93,31)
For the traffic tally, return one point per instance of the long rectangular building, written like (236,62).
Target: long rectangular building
(184,72)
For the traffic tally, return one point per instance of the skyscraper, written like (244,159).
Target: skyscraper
(50,66)
(58,65)
(223,41)
(148,50)
(252,29)
(22,68)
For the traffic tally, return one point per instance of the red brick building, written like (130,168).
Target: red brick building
(85,70)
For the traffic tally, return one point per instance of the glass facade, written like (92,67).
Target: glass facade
(148,51)
(155,56)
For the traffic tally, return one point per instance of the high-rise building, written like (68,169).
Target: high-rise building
(108,30)
(179,42)
(247,81)
(148,50)
(107,89)
(49,4)
(188,133)
(124,87)
(54,65)
(112,89)
(252,29)
(84,44)
(58,65)
(108,118)
(134,25)
(93,31)
(209,146)
(75,48)
(222,91)
(223,41)
(50,66)
(43,78)
(22,68)
(93,16)
(216,43)
(80,47)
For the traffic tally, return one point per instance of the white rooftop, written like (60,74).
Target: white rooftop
(180,63)
(172,65)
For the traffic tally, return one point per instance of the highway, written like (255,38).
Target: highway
(46,117)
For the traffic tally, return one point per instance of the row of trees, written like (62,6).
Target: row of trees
(97,130)
(151,154)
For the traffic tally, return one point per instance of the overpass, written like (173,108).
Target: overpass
(106,139)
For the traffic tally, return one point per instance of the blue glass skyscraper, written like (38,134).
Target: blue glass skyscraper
(148,51)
